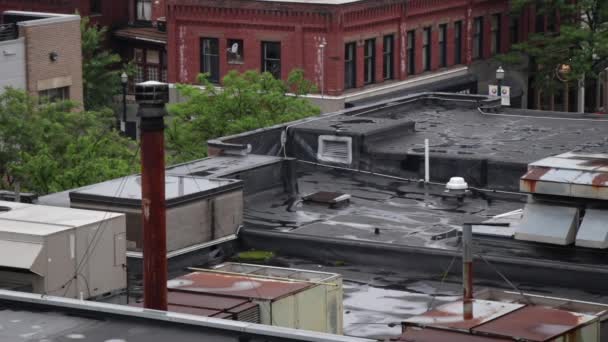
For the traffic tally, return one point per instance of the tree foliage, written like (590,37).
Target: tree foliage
(581,43)
(48,147)
(246,101)
(101,77)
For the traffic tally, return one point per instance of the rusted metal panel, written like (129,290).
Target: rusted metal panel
(237,286)
(412,334)
(204,301)
(570,174)
(451,315)
(535,323)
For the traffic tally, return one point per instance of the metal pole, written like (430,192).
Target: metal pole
(152,98)
(467,271)
(581,95)
(500,90)
(427,171)
(123,124)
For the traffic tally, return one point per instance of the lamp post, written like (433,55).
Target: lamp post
(562,72)
(124,80)
(500,75)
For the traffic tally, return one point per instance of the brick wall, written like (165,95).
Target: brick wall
(63,38)
(301,27)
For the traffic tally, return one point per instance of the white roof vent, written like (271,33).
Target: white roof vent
(335,149)
(457,183)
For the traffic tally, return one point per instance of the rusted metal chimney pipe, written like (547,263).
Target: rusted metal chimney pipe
(467,270)
(152,97)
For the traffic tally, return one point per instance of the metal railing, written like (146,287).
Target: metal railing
(8,32)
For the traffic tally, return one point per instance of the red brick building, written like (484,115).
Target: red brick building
(352,48)
(340,44)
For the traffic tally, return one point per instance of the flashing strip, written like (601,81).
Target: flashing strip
(174,318)
(173,254)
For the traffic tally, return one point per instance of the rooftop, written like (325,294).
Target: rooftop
(32,317)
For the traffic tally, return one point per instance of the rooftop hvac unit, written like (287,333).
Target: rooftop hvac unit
(61,251)
(199,210)
(287,297)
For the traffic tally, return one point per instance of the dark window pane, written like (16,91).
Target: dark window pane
(443,31)
(388,57)
(370,61)
(496,33)
(411,60)
(271,58)
(235,52)
(458,42)
(350,66)
(426,49)
(478,38)
(210,59)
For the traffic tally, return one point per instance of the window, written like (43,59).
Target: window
(235,52)
(369,60)
(144,10)
(388,57)
(443,58)
(55,94)
(150,65)
(350,65)
(411,57)
(551,21)
(210,59)
(478,38)
(426,49)
(514,29)
(540,23)
(95,6)
(458,42)
(496,32)
(271,58)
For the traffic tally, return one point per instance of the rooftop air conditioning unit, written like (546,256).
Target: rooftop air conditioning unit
(291,298)
(61,251)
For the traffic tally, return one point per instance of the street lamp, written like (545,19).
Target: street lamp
(500,75)
(124,79)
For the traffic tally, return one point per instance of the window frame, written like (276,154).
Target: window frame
(426,48)
(478,38)
(458,42)
(495,33)
(208,58)
(411,52)
(350,65)
(443,48)
(62,94)
(266,60)
(240,55)
(369,61)
(514,29)
(388,57)
(137,10)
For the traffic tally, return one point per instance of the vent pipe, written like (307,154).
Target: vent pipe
(467,271)
(152,98)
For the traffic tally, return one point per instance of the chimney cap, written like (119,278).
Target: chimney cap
(152,92)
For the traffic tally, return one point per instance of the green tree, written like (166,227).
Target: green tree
(100,67)
(245,102)
(48,147)
(581,43)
